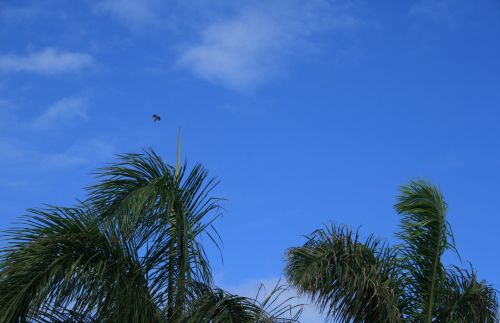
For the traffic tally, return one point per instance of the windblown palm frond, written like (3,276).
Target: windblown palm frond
(166,215)
(214,305)
(347,279)
(370,282)
(63,316)
(66,260)
(425,236)
(275,305)
(217,306)
(144,196)
(465,299)
(131,252)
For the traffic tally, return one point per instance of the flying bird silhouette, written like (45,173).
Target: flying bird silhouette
(156,118)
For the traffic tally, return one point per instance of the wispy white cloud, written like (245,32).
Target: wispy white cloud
(64,110)
(24,143)
(141,15)
(17,152)
(80,153)
(238,45)
(46,61)
(249,48)
(130,11)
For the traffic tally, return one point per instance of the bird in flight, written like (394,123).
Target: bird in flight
(156,118)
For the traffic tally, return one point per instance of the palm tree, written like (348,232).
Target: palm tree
(131,252)
(368,281)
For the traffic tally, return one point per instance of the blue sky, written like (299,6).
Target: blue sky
(308,112)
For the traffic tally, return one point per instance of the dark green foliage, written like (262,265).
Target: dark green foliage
(131,252)
(356,281)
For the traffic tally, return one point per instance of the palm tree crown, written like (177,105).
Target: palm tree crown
(131,252)
(368,281)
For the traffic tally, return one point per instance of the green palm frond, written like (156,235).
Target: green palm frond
(465,299)
(140,194)
(65,260)
(131,252)
(54,315)
(169,213)
(276,305)
(214,305)
(347,279)
(425,235)
(353,281)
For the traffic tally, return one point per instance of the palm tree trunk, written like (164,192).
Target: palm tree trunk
(182,262)
(439,246)
(430,302)
(171,278)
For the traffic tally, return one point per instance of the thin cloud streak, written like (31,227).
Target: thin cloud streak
(15,152)
(64,110)
(19,149)
(132,12)
(80,153)
(46,61)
